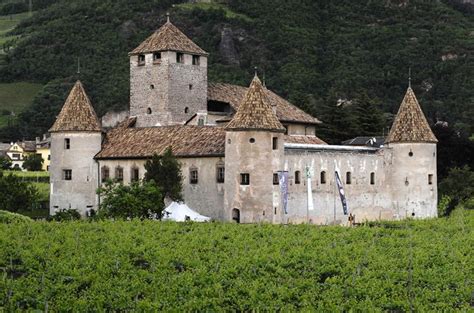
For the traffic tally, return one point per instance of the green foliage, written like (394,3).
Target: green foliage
(137,200)
(5,163)
(33,162)
(15,98)
(9,217)
(143,266)
(444,205)
(312,52)
(15,194)
(66,215)
(165,172)
(459,184)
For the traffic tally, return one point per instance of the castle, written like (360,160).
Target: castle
(247,154)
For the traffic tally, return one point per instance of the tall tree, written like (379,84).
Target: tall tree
(165,171)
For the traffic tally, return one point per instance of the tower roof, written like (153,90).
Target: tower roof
(410,124)
(168,38)
(255,111)
(77,113)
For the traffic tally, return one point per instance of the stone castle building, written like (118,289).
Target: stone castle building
(235,144)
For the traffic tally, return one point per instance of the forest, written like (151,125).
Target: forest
(345,62)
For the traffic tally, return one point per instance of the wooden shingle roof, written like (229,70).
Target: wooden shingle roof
(255,112)
(313,140)
(184,140)
(168,38)
(410,124)
(233,95)
(77,113)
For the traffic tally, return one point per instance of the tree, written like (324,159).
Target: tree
(15,194)
(5,163)
(137,200)
(165,172)
(33,162)
(458,185)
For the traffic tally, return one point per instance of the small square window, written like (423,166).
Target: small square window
(348,178)
(67,143)
(245,179)
(193,176)
(67,174)
(196,60)
(105,174)
(156,57)
(275,143)
(297,177)
(135,174)
(179,57)
(430,179)
(323,177)
(276,181)
(141,59)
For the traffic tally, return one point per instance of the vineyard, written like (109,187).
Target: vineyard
(152,266)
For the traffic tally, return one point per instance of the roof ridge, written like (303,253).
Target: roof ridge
(410,124)
(77,113)
(255,111)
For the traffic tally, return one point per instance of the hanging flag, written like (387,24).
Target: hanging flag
(309,190)
(283,180)
(341,190)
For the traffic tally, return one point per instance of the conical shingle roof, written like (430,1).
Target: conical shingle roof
(410,124)
(77,113)
(168,38)
(255,112)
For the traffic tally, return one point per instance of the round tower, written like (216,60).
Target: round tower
(76,138)
(168,78)
(412,162)
(253,158)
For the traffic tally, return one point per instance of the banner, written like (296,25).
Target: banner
(341,192)
(283,180)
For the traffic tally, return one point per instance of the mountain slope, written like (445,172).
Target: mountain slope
(316,53)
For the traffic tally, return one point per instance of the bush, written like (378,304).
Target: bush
(16,194)
(33,162)
(66,215)
(9,217)
(138,200)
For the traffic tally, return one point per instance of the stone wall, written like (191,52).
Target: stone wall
(79,192)
(161,91)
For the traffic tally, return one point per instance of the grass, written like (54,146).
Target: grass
(215,6)
(28,174)
(15,97)
(7,24)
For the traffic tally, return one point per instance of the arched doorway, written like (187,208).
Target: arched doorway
(236,215)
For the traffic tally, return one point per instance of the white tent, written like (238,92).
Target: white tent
(180,212)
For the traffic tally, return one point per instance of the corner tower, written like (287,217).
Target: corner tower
(168,78)
(254,154)
(412,170)
(76,138)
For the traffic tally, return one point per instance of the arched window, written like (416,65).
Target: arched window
(193,175)
(220,172)
(148,111)
(323,177)
(105,173)
(297,177)
(348,178)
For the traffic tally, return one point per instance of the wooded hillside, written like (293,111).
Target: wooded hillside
(316,53)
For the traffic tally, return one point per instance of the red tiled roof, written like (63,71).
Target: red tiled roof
(185,141)
(304,140)
(233,95)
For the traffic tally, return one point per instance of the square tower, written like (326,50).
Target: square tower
(168,79)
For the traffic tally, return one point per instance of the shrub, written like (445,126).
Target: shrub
(9,217)
(66,215)
(16,194)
